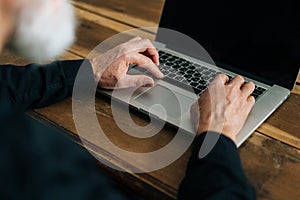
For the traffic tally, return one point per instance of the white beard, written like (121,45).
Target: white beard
(45,30)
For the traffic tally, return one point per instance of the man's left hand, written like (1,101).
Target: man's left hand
(110,69)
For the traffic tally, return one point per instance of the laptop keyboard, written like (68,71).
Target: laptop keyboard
(187,75)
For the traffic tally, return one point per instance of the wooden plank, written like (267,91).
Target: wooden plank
(272,167)
(134,12)
(126,18)
(69,56)
(280,135)
(284,124)
(94,29)
(296,89)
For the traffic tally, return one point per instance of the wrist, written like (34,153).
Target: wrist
(228,134)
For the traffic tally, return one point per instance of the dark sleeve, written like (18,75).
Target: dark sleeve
(35,86)
(217,176)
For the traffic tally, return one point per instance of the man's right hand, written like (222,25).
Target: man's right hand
(224,106)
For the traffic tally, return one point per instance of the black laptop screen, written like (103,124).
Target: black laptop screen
(260,39)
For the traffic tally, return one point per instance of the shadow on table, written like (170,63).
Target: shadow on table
(38,162)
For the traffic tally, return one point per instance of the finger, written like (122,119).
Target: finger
(221,78)
(144,62)
(153,54)
(145,46)
(237,80)
(134,81)
(250,103)
(248,88)
(251,100)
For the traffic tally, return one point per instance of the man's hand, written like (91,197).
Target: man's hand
(111,67)
(224,106)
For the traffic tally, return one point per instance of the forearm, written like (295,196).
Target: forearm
(35,86)
(219,175)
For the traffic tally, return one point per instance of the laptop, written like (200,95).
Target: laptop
(259,40)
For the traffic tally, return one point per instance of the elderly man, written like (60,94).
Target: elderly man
(40,30)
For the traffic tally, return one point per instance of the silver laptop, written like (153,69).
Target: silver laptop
(258,41)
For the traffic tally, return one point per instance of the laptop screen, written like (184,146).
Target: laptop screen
(258,39)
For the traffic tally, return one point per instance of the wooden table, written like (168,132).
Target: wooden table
(270,157)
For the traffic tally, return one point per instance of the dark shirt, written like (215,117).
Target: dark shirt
(39,162)
(35,86)
(219,175)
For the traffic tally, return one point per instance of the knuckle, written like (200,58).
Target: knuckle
(123,45)
(250,86)
(147,40)
(240,77)
(221,75)
(125,56)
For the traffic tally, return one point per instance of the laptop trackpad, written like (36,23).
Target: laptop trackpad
(159,98)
